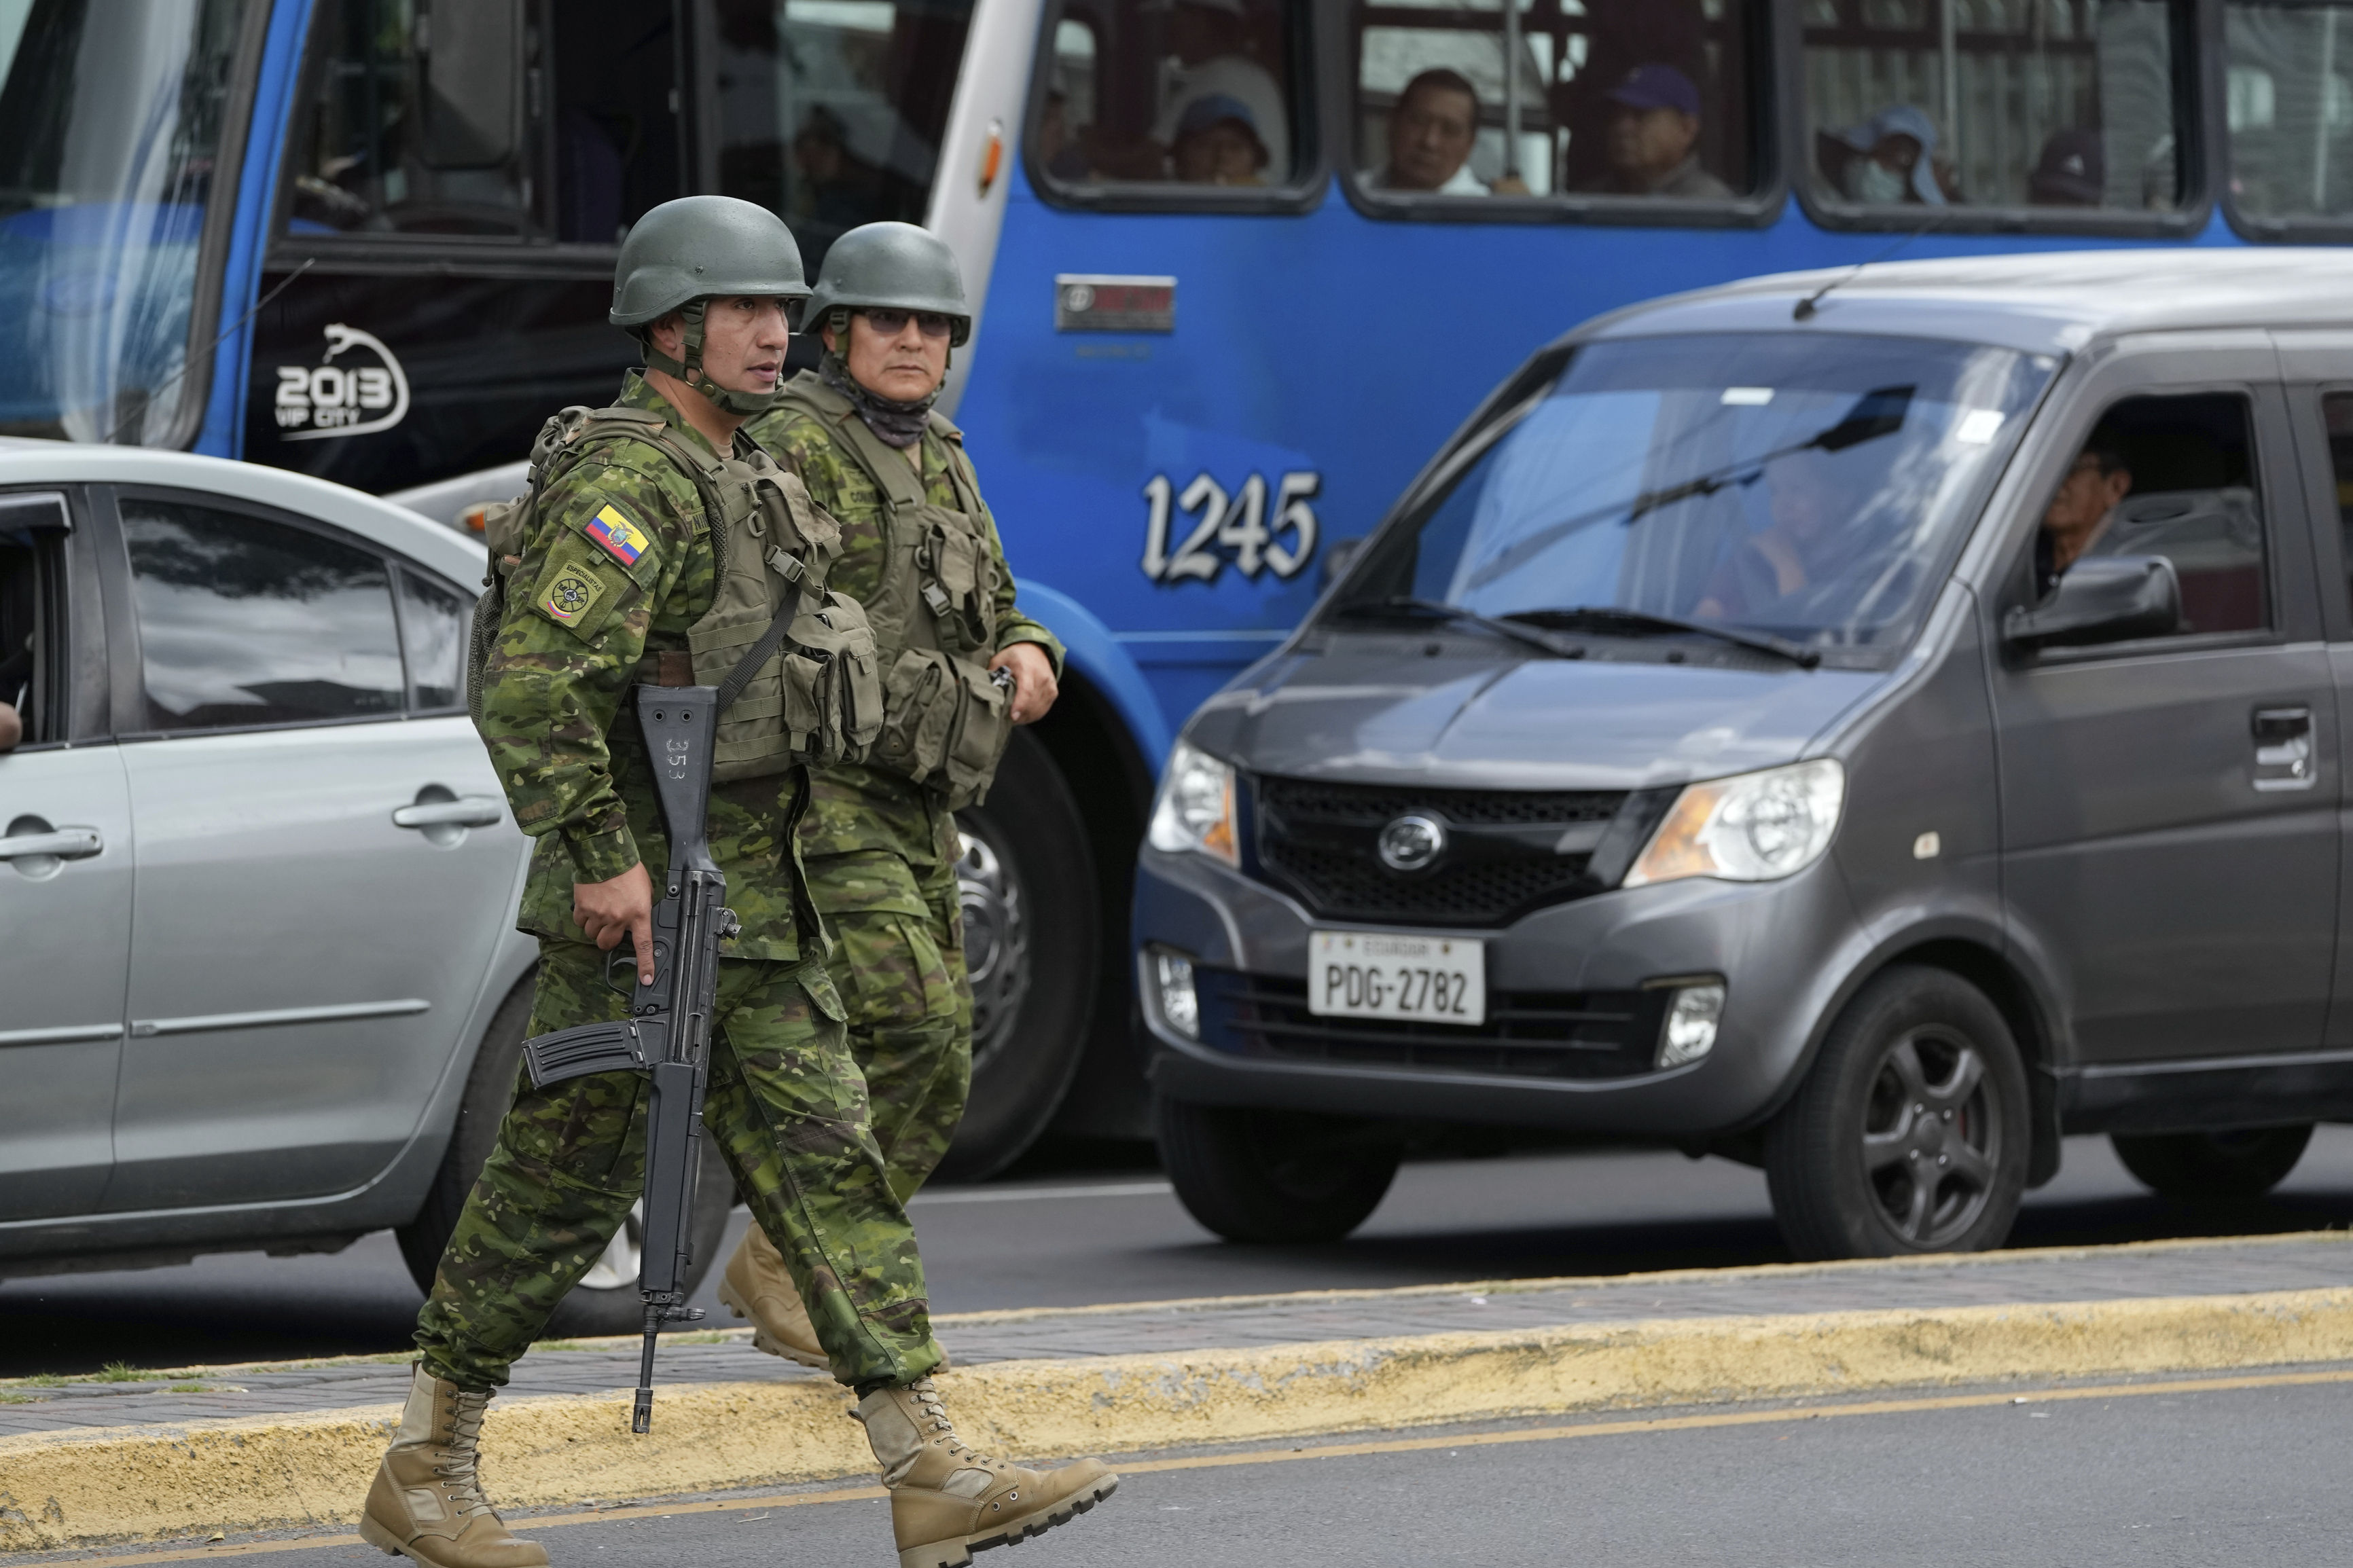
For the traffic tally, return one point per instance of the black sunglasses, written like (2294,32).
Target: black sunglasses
(890,324)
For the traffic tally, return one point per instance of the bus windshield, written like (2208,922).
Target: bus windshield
(1802,485)
(111,116)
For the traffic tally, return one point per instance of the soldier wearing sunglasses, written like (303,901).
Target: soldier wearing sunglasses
(961,666)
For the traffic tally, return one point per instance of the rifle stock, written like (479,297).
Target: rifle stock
(666,1035)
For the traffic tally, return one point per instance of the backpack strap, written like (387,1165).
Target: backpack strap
(884,464)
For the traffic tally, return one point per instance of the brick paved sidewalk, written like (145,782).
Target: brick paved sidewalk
(2229,1267)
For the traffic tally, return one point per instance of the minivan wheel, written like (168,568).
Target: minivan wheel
(605,1302)
(1273,1176)
(2213,1167)
(1910,1134)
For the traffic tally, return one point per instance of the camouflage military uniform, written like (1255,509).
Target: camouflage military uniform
(786,1104)
(882,851)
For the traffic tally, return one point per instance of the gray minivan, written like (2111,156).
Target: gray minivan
(1862,724)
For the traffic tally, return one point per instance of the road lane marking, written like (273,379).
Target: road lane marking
(1035,1195)
(628,1512)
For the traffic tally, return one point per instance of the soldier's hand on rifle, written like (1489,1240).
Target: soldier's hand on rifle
(622,906)
(1034,687)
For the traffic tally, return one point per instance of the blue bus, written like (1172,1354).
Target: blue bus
(1242,264)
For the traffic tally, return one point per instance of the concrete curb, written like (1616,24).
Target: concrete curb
(92,1486)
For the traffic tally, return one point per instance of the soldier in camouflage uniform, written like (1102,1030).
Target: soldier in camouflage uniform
(617,575)
(880,836)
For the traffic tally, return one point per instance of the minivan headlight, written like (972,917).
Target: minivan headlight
(1751,827)
(1196,807)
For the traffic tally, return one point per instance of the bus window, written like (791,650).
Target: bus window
(486,119)
(1181,92)
(2290,109)
(415,122)
(1646,99)
(831,111)
(2054,105)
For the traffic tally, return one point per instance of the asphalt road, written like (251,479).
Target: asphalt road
(1074,1237)
(2162,1473)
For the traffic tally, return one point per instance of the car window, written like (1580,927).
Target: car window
(2172,476)
(434,623)
(1196,93)
(2289,106)
(831,111)
(32,593)
(2336,409)
(244,621)
(1628,98)
(2056,105)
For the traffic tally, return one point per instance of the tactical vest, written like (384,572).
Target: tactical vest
(945,723)
(800,660)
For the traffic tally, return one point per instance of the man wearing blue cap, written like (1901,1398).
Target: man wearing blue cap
(1654,126)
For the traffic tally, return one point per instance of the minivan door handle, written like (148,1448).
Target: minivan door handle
(2284,749)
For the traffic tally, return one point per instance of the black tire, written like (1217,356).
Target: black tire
(1910,1132)
(1033,941)
(1273,1176)
(2233,1167)
(489,1089)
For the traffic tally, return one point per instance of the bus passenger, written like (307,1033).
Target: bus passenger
(1218,144)
(1889,160)
(880,841)
(1214,51)
(1654,125)
(2072,170)
(1430,133)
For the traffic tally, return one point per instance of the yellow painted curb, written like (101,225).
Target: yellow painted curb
(96,1486)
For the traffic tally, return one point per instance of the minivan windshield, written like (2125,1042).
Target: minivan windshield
(1800,488)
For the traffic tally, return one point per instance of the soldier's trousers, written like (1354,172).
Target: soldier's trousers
(898,961)
(787,1107)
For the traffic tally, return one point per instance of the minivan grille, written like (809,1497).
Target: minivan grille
(1503,858)
(1529,1034)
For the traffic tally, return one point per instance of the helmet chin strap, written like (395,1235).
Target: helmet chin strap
(743,405)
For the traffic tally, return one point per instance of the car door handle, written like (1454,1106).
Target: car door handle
(471,811)
(2284,748)
(64,843)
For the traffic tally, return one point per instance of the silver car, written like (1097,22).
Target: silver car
(259,984)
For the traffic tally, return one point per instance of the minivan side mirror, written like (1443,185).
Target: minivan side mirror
(2100,599)
(1338,556)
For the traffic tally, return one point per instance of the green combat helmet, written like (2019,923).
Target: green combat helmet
(889,267)
(686,251)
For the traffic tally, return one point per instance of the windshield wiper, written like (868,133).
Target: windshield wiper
(1608,618)
(1527,636)
(1877,413)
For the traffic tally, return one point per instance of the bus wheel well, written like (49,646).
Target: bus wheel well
(1112,783)
(2010,994)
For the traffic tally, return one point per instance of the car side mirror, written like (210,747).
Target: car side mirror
(2100,599)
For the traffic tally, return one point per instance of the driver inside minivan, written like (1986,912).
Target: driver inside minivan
(2082,507)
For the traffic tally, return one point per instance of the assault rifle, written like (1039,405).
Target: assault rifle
(666,1035)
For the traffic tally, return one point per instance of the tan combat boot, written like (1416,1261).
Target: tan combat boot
(427,1503)
(947,1502)
(755,1285)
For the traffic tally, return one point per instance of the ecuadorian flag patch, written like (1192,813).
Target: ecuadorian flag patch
(616,535)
